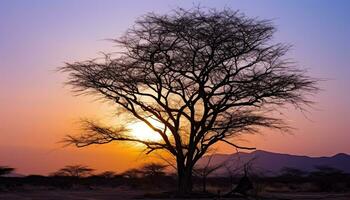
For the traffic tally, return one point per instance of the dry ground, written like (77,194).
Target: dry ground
(124,194)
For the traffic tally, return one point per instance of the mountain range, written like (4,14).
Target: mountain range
(269,163)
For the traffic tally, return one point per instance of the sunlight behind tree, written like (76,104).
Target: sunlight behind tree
(141,131)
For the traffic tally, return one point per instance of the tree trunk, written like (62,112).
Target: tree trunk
(184,180)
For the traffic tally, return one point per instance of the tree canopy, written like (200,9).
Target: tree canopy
(74,171)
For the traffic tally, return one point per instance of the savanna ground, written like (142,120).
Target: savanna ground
(121,193)
(144,185)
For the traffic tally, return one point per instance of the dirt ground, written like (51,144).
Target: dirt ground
(96,194)
(307,196)
(124,194)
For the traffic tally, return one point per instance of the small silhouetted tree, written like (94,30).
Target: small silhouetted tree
(4,170)
(76,171)
(289,172)
(153,169)
(203,171)
(324,170)
(132,173)
(205,75)
(245,183)
(107,174)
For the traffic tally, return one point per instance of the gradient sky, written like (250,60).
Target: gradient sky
(36,110)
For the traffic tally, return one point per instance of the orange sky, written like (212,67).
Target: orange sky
(36,110)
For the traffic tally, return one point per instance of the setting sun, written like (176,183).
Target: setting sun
(141,131)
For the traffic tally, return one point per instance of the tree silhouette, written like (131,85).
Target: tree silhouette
(290,172)
(4,170)
(108,174)
(205,75)
(327,178)
(153,169)
(77,171)
(205,170)
(132,173)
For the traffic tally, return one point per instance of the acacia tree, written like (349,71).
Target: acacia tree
(108,174)
(77,171)
(153,169)
(205,75)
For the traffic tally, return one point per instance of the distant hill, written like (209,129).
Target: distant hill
(269,163)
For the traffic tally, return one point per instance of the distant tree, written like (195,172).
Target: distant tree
(4,170)
(327,178)
(245,183)
(132,173)
(205,170)
(324,170)
(233,168)
(153,169)
(206,76)
(231,172)
(292,172)
(74,171)
(107,174)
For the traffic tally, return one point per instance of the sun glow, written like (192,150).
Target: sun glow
(141,131)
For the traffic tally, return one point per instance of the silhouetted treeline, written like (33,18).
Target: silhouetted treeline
(153,176)
(321,179)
